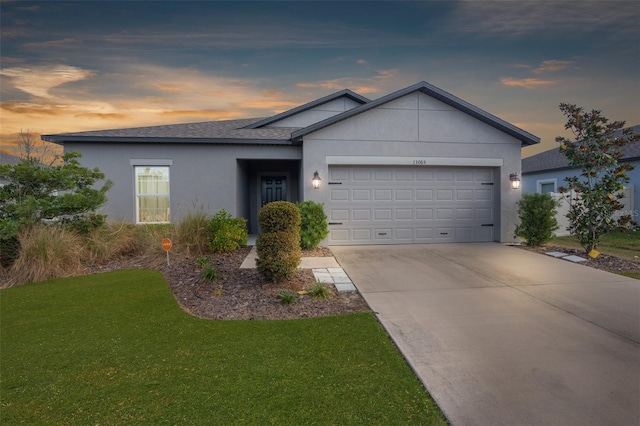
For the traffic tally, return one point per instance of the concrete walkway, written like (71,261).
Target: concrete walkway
(502,336)
(325,270)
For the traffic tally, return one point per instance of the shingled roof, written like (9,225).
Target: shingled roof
(555,160)
(254,130)
(228,131)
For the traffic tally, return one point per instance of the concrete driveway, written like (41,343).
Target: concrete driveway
(502,336)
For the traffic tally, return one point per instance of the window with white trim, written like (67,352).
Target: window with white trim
(152,194)
(547,185)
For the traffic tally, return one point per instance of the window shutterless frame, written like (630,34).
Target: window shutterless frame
(152,194)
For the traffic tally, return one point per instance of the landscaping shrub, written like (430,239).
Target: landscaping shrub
(227,233)
(209,273)
(110,241)
(287,297)
(279,216)
(46,252)
(537,214)
(320,291)
(193,234)
(278,244)
(148,242)
(313,225)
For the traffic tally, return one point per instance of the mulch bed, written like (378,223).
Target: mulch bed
(243,294)
(604,262)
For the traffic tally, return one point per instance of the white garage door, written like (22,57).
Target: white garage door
(403,205)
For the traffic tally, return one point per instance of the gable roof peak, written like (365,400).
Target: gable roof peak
(430,90)
(309,105)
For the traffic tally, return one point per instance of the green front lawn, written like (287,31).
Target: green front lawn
(116,349)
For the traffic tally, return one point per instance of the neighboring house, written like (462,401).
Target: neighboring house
(7,159)
(416,166)
(545,172)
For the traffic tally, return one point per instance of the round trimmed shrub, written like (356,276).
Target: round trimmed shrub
(278,255)
(278,244)
(279,216)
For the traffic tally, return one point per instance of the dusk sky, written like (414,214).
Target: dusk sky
(75,66)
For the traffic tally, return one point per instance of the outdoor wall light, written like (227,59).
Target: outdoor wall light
(316,180)
(515,180)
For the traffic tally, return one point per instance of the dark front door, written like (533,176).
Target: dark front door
(274,188)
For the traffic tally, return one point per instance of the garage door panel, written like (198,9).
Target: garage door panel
(382,234)
(361,214)
(404,214)
(383,175)
(424,214)
(362,234)
(361,195)
(338,214)
(484,194)
(382,214)
(396,205)
(464,194)
(339,195)
(338,174)
(404,195)
(463,214)
(444,175)
(424,194)
(382,195)
(339,235)
(404,234)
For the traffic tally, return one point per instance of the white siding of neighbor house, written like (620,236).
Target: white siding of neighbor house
(317,114)
(417,126)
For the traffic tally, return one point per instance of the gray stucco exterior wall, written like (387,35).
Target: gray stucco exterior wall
(201,175)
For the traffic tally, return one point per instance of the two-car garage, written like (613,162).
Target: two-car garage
(411,204)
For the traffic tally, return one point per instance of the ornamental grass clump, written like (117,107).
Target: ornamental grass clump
(278,244)
(46,251)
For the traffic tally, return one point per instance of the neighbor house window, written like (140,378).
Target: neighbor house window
(546,186)
(152,194)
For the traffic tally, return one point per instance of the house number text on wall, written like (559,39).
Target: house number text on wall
(419,162)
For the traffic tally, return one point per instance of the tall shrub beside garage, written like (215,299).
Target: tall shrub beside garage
(314,227)
(278,244)
(537,218)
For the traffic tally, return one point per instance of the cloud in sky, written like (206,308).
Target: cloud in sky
(552,65)
(39,80)
(526,83)
(124,64)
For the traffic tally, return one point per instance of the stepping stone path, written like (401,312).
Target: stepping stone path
(565,256)
(335,276)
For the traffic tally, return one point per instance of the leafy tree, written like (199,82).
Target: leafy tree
(37,192)
(594,195)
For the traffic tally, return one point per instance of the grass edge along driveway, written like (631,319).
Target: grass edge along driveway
(115,348)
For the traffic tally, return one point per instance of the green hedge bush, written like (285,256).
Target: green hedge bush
(227,233)
(537,214)
(278,244)
(279,216)
(313,225)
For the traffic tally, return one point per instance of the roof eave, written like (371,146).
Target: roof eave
(62,139)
